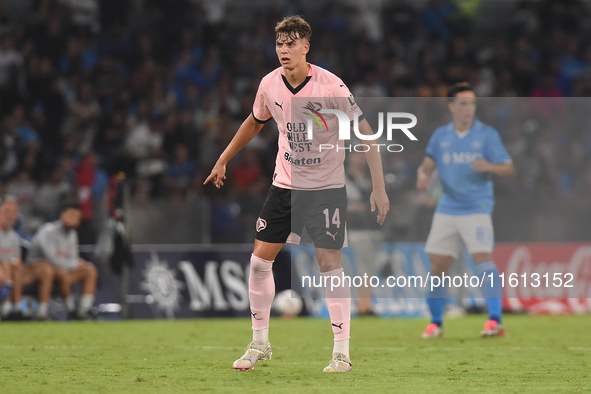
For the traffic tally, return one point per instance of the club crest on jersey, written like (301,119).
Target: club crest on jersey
(476,144)
(314,108)
(261,225)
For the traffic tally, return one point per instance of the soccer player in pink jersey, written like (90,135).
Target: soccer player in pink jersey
(308,186)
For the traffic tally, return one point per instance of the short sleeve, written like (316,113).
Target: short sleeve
(344,100)
(432,146)
(260,111)
(495,151)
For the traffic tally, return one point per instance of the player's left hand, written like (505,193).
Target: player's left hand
(379,199)
(482,165)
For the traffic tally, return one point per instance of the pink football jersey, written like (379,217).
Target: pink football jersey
(301,164)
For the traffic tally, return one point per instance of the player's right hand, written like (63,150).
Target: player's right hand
(217,176)
(422,181)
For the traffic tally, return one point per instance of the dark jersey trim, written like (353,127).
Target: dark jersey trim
(297,88)
(361,117)
(260,121)
(430,156)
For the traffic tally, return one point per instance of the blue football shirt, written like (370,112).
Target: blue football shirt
(466,191)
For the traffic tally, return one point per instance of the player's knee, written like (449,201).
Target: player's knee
(45,271)
(260,267)
(328,259)
(440,264)
(91,271)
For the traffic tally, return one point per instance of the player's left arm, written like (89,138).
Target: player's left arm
(379,198)
(496,159)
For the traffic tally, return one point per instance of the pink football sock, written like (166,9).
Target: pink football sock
(338,300)
(261,290)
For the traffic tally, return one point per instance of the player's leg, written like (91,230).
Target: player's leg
(273,227)
(42,272)
(64,282)
(477,232)
(65,279)
(493,294)
(325,216)
(261,288)
(436,294)
(89,275)
(6,287)
(443,246)
(261,291)
(338,301)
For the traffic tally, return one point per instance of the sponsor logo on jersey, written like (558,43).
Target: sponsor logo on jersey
(303,161)
(460,157)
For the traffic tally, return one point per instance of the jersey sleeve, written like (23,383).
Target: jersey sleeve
(495,151)
(432,147)
(260,111)
(344,101)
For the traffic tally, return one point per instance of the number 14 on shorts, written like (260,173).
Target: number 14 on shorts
(336,219)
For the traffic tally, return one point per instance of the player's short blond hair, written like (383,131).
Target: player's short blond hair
(294,27)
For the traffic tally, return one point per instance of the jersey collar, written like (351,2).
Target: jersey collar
(476,125)
(296,90)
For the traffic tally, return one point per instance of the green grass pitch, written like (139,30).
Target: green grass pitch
(543,354)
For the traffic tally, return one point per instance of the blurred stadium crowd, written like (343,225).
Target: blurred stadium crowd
(157,88)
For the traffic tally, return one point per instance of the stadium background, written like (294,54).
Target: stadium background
(157,89)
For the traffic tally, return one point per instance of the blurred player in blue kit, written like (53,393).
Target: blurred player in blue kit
(467,153)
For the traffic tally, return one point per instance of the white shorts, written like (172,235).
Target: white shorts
(448,232)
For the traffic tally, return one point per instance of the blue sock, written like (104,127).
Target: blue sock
(436,302)
(492,289)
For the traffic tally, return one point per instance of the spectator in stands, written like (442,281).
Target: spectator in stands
(57,243)
(82,123)
(248,172)
(50,194)
(181,172)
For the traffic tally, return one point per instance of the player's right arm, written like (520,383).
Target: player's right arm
(247,131)
(424,173)
(428,165)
